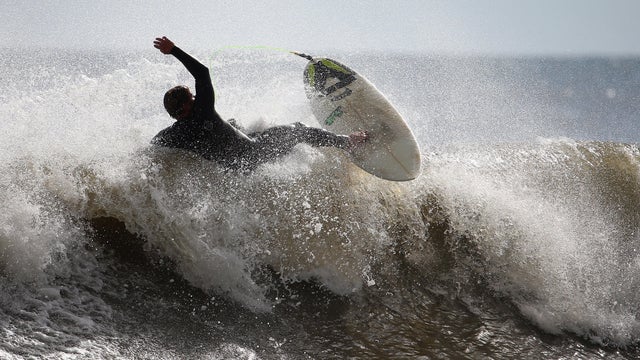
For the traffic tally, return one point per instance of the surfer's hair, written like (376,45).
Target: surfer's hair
(175,98)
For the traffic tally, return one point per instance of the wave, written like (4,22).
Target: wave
(548,227)
(551,227)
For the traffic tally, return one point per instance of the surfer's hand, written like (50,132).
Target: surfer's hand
(357,138)
(163,44)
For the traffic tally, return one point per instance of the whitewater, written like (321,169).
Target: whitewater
(520,239)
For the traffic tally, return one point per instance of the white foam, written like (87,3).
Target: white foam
(547,237)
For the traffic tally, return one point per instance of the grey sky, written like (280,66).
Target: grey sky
(560,27)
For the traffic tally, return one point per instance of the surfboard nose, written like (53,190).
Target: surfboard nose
(324,77)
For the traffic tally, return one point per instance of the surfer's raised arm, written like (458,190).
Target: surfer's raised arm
(196,68)
(174,103)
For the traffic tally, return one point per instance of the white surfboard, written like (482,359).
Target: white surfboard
(344,101)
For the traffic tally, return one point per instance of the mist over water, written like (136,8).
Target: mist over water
(519,238)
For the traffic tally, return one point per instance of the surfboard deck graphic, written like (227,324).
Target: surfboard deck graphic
(344,101)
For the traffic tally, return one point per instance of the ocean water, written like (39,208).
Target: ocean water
(521,238)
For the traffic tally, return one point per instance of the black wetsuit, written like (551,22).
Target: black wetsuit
(208,135)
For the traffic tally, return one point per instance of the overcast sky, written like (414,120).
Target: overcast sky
(520,27)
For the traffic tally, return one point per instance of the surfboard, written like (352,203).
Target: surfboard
(344,101)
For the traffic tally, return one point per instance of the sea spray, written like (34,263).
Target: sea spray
(562,259)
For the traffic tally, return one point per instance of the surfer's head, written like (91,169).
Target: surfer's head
(178,102)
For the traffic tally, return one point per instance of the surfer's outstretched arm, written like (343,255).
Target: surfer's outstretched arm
(283,138)
(196,68)
(323,138)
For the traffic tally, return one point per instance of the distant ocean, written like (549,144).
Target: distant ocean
(521,238)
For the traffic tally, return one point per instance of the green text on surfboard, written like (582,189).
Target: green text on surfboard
(334,114)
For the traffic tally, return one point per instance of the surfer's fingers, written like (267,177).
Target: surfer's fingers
(359,137)
(163,44)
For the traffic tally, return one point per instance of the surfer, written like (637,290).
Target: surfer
(200,129)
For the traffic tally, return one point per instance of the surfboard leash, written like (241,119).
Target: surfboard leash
(308,57)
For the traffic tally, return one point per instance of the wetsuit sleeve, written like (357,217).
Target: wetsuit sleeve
(285,137)
(319,137)
(204,87)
